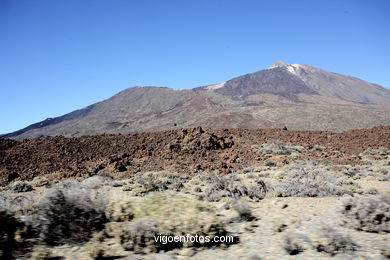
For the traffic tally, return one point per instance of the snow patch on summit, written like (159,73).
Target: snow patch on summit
(292,68)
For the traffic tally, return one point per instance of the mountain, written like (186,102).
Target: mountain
(300,97)
(291,80)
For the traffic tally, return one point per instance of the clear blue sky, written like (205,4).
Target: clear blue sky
(60,55)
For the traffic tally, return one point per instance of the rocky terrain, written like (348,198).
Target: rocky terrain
(300,97)
(186,151)
(279,194)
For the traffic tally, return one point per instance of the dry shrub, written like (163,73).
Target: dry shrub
(243,210)
(166,213)
(231,186)
(367,213)
(69,216)
(160,181)
(21,186)
(294,243)
(311,182)
(332,241)
(8,226)
(139,236)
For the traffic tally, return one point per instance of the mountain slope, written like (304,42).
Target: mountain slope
(300,97)
(340,86)
(290,79)
(277,81)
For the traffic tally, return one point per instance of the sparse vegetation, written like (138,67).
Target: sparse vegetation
(231,186)
(139,236)
(329,240)
(135,223)
(279,225)
(120,210)
(69,184)
(294,243)
(243,210)
(42,252)
(96,182)
(382,151)
(69,216)
(385,251)
(21,186)
(174,215)
(279,148)
(15,203)
(301,182)
(118,184)
(8,225)
(196,180)
(95,248)
(40,181)
(159,181)
(367,213)
(197,189)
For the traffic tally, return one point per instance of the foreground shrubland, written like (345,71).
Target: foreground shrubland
(270,207)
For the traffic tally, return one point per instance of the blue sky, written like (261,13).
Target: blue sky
(60,55)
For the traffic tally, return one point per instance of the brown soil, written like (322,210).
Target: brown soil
(187,151)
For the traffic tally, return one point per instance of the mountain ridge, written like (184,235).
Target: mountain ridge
(300,97)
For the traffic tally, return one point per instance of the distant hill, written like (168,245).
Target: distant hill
(300,97)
